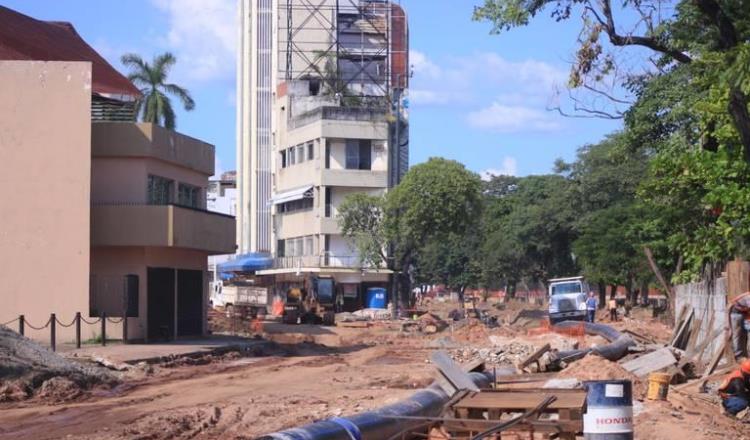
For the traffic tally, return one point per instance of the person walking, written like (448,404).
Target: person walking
(591,304)
(612,309)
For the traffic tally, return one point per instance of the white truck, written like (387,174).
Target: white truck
(240,297)
(567,299)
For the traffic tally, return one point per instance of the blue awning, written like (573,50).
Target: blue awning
(247,263)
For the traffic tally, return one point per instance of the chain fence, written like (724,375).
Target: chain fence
(54,321)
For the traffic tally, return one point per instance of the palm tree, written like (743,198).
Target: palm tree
(155,106)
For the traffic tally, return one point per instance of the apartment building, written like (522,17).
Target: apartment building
(221,197)
(319,118)
(111,218)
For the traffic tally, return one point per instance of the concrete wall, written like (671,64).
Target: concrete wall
(707,301)
(110,264)
(45,162)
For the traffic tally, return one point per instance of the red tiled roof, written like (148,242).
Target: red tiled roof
(26,38)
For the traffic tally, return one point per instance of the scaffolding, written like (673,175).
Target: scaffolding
(345,46)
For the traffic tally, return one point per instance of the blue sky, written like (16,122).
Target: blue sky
(478,98)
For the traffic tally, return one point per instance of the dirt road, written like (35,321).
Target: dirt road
(311,373)
(239,398)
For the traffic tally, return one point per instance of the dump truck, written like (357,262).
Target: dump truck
(240,297)
(567,299)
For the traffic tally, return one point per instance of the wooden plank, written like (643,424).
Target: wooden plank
(738,278)
(678,322)
(679,337)
(639,337)
(651,362)
(535,356)
(717,357)
(694,331)
(452,372)
(697,354)
(512,400)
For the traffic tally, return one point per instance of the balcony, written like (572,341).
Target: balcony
(325,261)
(162,226)
(123,139)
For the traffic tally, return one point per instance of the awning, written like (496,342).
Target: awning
(247,263)
(304,192)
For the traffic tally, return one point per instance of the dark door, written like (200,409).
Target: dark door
(160,303)
(189,302)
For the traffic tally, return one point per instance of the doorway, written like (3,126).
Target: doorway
(189,302)
(161,284)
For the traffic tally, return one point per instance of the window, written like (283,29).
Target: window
(565,288)
(310,151)
(290,156)
(188,195)
(328,201)
(328,154)
(300,153)
(159,190)
(280,248)
(309,246)
(296,205)
(283,159)
(358,154)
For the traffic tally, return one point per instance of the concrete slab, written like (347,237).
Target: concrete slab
(134,353)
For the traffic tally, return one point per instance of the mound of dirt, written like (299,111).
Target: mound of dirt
(593,367)
(26,366)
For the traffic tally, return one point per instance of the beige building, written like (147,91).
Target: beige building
(103,215)
(319,112)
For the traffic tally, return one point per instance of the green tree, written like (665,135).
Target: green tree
(708,38)
(435,200)
(155,106)
(528,230)
(360,217)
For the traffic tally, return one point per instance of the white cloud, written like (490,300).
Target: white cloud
(509,167)
(202,35)
(512,119)
(422,65)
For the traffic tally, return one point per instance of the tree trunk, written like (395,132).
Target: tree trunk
(613,291)
(602,293)
(644,293)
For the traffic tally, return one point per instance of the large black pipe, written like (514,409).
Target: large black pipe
(376,424)
(614,351)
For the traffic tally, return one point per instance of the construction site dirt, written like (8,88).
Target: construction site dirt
(309,373)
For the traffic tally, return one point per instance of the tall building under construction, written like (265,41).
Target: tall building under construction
(321,99)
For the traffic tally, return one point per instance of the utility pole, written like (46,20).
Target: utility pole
(394,168)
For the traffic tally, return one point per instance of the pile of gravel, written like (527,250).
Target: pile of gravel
(25,363)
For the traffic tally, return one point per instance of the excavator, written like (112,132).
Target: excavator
(313,304)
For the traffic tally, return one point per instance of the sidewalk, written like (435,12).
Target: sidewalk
(134,353)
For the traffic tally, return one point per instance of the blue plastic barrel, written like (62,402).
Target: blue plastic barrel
(609,410)
(375,298)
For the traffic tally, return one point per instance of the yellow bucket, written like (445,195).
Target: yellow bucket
(658,386)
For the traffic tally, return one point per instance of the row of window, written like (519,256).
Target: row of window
(296,205)
(161,191)
(358,154)
(295,247)
(297,154)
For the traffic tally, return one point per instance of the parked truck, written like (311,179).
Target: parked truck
(241,297)
(567,299)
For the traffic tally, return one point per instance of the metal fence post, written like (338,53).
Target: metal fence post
(104,329)
(52,336)
(78,329)
(21,322)
(125,329)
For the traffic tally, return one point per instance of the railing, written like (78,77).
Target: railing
(54,321)
(324,260)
